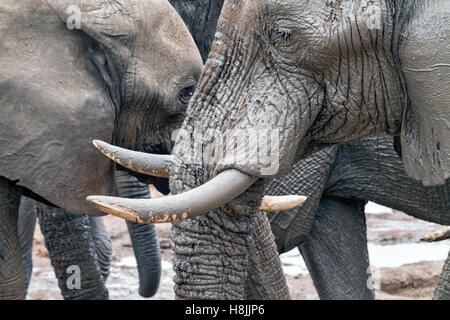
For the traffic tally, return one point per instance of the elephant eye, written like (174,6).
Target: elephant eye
(283,33)
(187,93)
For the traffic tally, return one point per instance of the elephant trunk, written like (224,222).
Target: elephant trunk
(143,238)
(266,278)
(102,245)
(211,251)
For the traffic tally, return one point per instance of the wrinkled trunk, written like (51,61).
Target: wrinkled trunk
(212,251)
(266,278)
(99,239)
(143,237)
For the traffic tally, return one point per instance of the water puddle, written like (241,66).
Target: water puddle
(380,256)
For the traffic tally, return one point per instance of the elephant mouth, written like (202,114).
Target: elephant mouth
(215,193)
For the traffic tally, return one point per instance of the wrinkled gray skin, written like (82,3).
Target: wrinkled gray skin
(201,18)
(125,77)
(82,240)
(69,238)
(320,79)
(329,228)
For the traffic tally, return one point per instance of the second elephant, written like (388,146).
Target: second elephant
(330,228)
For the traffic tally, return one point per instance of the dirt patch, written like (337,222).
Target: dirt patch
(409,281)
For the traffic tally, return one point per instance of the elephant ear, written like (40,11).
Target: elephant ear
(425,133)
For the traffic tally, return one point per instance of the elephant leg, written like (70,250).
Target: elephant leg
(26,226)
(266,279)
(102,245)
(72,254)
(442,291)
(336,253)
(12,277)
(144,238)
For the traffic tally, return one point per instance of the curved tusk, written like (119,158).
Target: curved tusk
(215,193)
(281,203)
(149,164)
(437,236)
(190,204)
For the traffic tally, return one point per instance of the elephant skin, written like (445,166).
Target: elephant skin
(315,78)
(329,228)
(83,241)
(121,71)
(124,73)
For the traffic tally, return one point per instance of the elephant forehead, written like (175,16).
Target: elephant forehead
(165,37)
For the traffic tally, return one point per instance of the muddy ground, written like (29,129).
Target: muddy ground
(402,267)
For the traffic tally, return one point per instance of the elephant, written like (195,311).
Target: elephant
(284,80)
(99,255)
(73,71)
(200,22)
(81,240)
(329,229)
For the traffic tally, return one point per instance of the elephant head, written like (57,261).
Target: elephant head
(285,79)
(73,71)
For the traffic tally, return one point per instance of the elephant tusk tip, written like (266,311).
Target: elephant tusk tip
(92,198)
(427,238)
(281,203)
(437,236)
(97,201)
(100,145)
(117,210)
(143,163)
(100,203)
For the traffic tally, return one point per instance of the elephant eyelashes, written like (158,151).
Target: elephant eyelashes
(283,33)
(187,93)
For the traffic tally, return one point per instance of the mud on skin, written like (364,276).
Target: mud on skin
(321,81)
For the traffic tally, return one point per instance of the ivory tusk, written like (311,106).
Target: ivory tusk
(207,197)
(281,203)
(149,164)
(437,236)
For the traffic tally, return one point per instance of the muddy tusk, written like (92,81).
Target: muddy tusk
(437,236)
(281,203)
(215,193)
(149,164)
